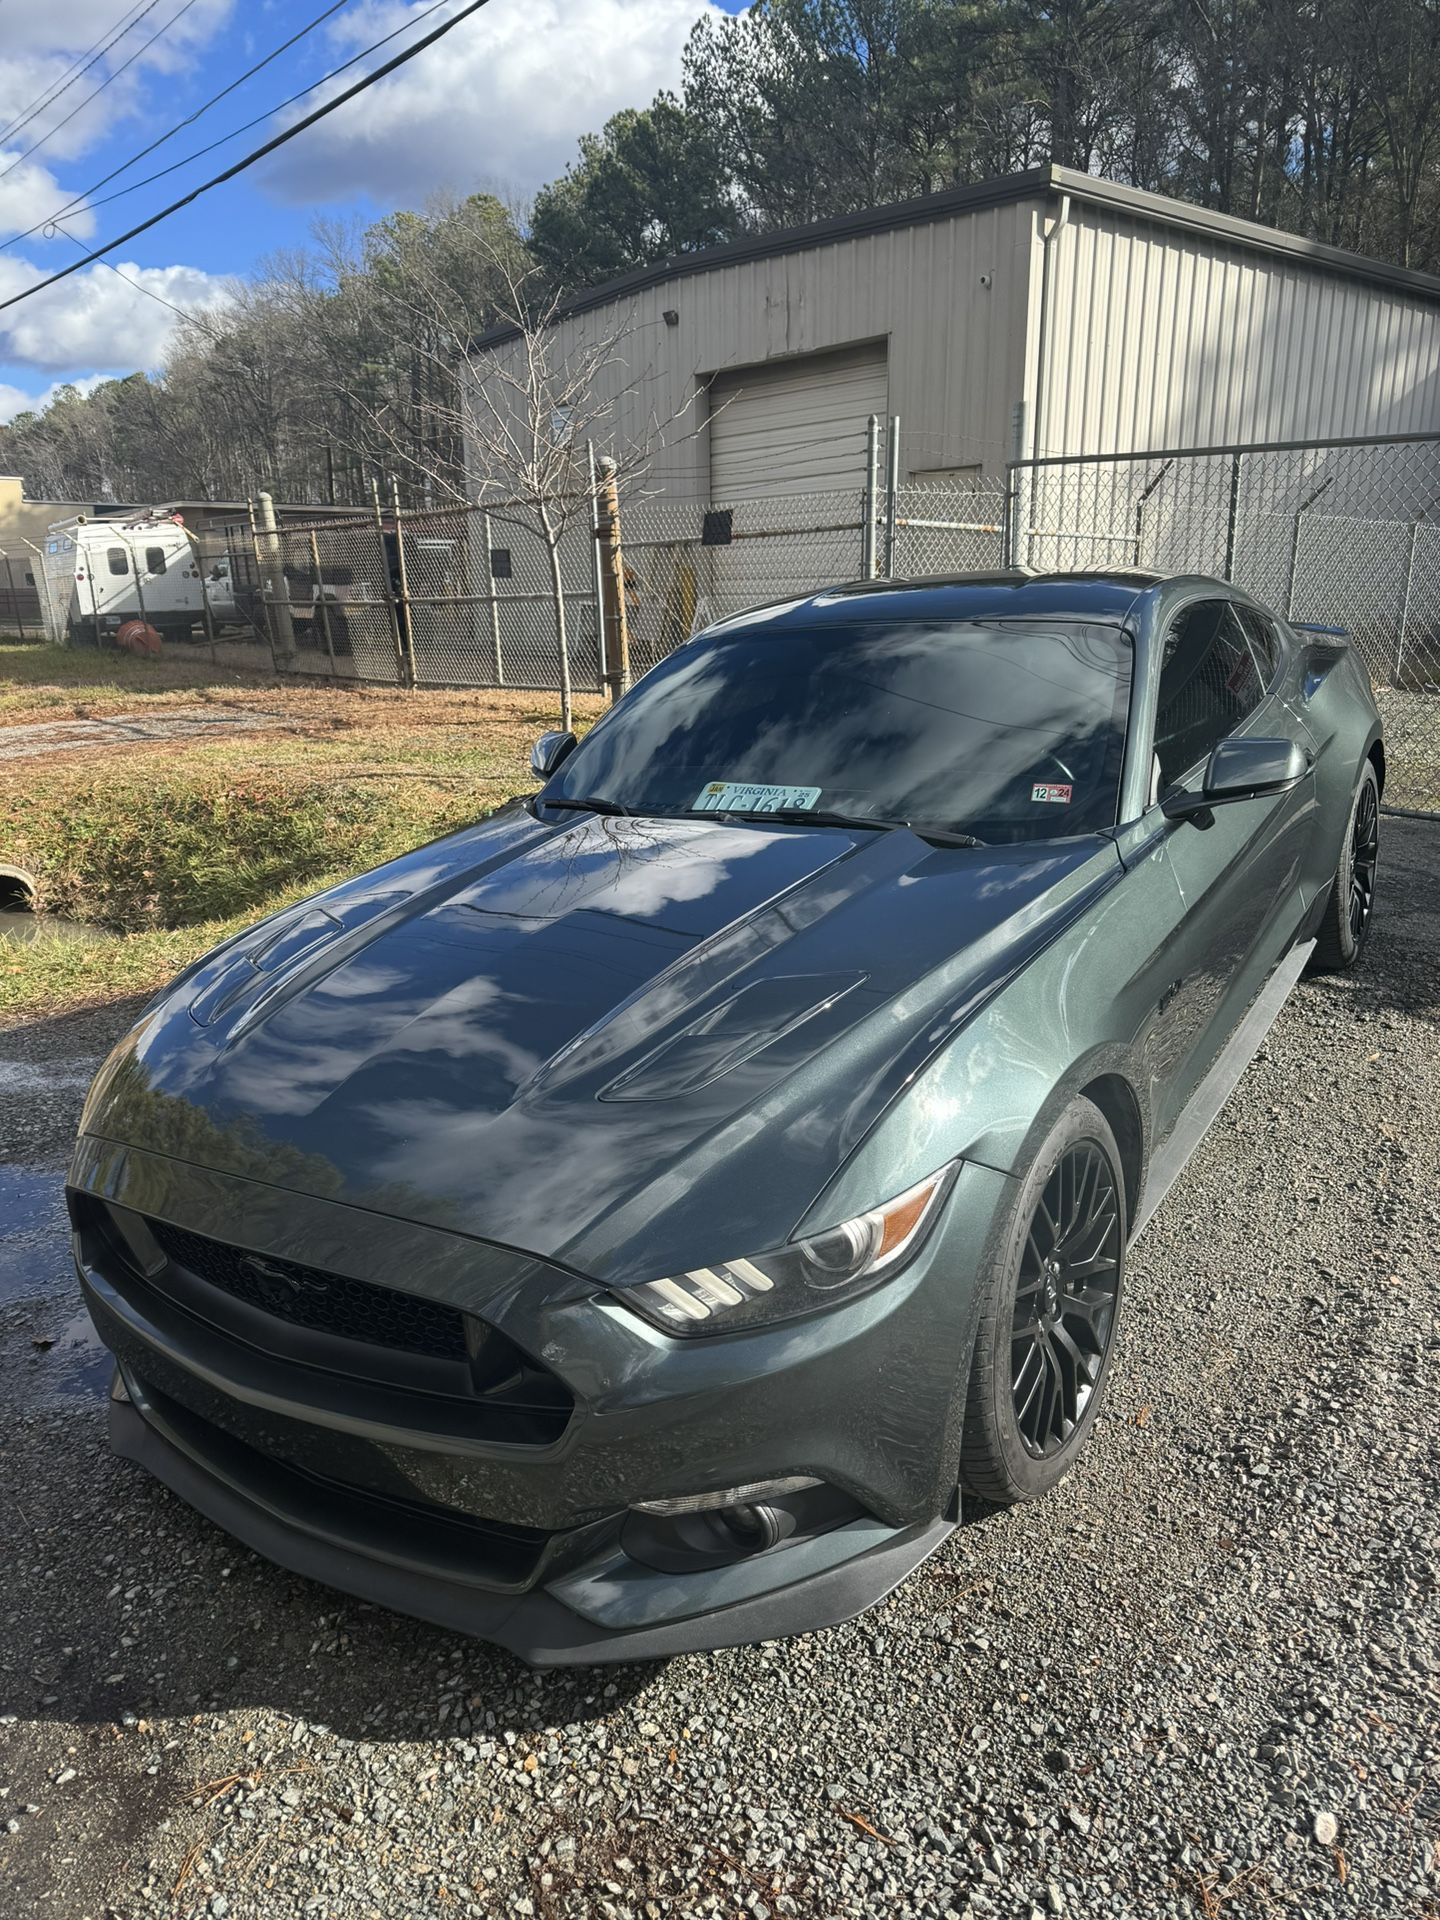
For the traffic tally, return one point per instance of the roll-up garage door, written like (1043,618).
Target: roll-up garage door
(794,426)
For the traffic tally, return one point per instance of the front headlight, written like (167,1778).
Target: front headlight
(798,1277)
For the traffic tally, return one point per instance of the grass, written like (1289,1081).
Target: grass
(41,682)
(173,846)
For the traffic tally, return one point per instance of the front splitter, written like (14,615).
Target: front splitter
(534,1626)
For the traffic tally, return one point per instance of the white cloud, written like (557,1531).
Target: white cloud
(96,318)
(15,400)
(31,194)
(502,101)
(43,39)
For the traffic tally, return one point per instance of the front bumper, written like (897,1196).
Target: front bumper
(392,1483)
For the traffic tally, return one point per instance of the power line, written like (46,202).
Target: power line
(149,292)
(109,80)
(80,64)
(199,153)
(258,153)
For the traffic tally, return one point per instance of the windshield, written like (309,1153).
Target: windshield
(1006,729)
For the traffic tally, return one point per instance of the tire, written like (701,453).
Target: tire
(1069,1214)
(1349,908)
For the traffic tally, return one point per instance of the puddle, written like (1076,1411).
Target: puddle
(34,1233)
(76,1365)
(23,929)
(51,1353)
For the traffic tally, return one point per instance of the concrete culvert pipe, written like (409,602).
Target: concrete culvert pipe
(17,889)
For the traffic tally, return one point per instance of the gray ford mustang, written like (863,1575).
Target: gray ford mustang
(635,1223)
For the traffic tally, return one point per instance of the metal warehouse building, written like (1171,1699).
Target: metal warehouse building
(1046,313)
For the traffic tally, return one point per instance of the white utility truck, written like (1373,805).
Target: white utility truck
(148,568)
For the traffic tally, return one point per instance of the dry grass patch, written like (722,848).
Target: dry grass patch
(174,846)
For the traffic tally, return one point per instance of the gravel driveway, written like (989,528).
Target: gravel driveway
(1203,1678)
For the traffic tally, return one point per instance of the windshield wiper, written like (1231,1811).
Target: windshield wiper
(592,803)
(822,817)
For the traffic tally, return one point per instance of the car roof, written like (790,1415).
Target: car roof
(1016,595)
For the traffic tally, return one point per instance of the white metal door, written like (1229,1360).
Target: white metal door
(795,426)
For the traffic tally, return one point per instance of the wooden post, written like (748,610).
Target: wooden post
(320,600)
(599,583)
(277,599)
(617,630)
(407,631)
(385,586)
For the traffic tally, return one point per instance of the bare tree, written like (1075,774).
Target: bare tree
(507,424)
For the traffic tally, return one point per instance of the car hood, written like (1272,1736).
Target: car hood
(621,1044)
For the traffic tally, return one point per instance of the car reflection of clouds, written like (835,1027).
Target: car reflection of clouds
(296,1076)
(633,868)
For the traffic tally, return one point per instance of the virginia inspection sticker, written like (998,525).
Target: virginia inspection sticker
(1049,790)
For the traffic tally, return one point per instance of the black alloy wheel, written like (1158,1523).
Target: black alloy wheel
(1344,926)
(1048,1314)
(1065,1299)
(1364,857)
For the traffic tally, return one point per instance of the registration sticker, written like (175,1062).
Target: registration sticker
(1059,794)
(743,796)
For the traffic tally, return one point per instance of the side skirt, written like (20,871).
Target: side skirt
(1215,1089)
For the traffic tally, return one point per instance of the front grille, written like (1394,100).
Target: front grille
(446,1539)
(322,1302)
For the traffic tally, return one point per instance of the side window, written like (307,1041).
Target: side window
(1208,684)
(154,559)
(1264,642)
(118,559)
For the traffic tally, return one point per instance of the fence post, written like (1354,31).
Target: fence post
(493,598)
(198,558)
(262,632)
(14,601)
(387,586)
(892,489)
(403,620)
(598,569)
(282,626)
(1232,516)
(871,505)
(1405,598)
(320,601)
(613,581)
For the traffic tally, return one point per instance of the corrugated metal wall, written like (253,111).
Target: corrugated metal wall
(1158,338)
(949,297)
(1155,336)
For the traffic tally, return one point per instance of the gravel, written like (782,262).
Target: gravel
(1202,1678)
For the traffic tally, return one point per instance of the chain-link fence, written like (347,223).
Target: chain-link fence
(463,597)
(21,616)
(1341,534)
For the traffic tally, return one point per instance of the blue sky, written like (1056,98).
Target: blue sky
(497,104)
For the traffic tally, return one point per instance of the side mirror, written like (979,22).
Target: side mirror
(549,751)
(1239,770)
